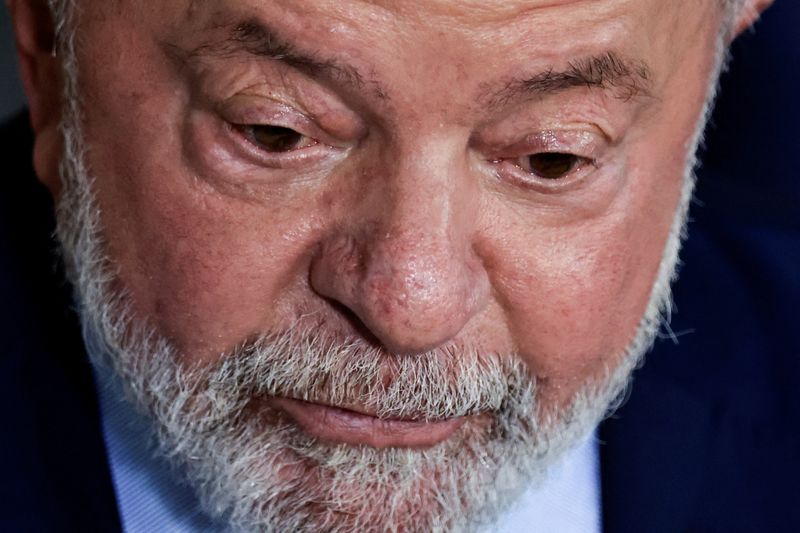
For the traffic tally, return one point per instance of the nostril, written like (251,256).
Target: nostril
(355,322)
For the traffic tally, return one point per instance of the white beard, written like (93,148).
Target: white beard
(256,469)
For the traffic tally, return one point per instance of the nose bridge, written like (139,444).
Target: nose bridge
(420,201)
(413,278)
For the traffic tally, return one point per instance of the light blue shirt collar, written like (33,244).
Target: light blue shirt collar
(152,497)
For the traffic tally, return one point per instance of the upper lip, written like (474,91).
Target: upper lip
(364,411)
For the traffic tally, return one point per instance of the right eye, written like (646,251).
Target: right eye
(276,139)
(551,165)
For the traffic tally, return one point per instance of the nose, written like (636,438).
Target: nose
(403,262)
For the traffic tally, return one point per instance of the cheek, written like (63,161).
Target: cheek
(563,300)
(206,268)
(206,272)
(574,296)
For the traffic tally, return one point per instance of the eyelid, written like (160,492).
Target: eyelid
(249,132)
(577,142)
(245,149)
(256,113)
(241,112)
(509,170)
(333,129)
(587,146)
(243,116)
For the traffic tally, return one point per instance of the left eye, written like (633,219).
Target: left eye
(276,139)
(550,165)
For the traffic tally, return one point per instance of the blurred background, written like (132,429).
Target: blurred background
(11,97)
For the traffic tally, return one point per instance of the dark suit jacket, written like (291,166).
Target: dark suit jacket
(53,470)
(707,442)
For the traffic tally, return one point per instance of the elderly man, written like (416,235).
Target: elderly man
(362,266)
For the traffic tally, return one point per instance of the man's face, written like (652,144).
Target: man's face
(413,203)
(485,178)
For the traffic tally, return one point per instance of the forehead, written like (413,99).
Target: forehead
(414,53)
(548,25)
(494,21)
(467,12)
(437,37)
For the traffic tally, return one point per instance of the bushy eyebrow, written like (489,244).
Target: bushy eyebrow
(255,38)
(608,71)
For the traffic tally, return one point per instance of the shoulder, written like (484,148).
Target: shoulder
(52,458)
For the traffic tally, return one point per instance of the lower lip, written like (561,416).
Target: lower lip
(349,427)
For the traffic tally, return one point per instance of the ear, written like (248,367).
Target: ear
(43,83)
(748,14)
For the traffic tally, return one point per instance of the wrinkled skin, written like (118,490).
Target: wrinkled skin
(408,216)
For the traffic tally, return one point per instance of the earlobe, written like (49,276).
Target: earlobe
(42,80)
(748,14)
(47,151)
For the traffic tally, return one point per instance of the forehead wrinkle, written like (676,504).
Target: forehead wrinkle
(469,10)
(252,37)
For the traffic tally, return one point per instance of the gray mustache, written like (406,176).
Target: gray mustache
(435,385)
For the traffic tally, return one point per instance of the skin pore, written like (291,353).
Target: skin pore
(408,222)
(479,193)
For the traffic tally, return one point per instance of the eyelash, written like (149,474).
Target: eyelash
(251,134)
(311,149)
(511,169)
(244,137)
(574,162)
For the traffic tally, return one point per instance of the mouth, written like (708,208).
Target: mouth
(338,425)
